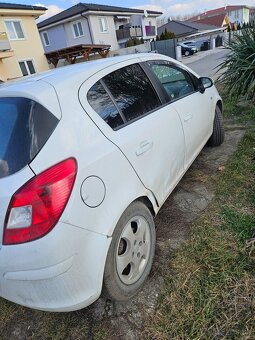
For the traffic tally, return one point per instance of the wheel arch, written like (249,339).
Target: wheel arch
(147,202)
(220,105)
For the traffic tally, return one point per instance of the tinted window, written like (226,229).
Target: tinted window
(25,126)
(132,91)
(30,67)
(176,82)
(100,101)
(23,68)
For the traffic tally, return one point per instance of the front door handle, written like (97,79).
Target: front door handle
(188,116)
(144,147)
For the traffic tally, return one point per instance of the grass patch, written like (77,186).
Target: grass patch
(210,288)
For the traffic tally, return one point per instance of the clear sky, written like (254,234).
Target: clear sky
(169,7)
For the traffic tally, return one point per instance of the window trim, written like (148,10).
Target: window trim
(114,101)
(106,21)
(25,61)
(76,23)
(21,25)
(44,41)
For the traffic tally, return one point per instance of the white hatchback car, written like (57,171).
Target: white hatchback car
(88,155)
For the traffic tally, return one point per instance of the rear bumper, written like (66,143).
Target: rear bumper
(62,271)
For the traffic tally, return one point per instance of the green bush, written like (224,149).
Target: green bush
(133,42)
(239,65)
(165,35)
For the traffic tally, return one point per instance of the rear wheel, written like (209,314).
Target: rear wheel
(217,137)
(186,53)
(131,253)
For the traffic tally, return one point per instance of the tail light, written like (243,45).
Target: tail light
(37,206)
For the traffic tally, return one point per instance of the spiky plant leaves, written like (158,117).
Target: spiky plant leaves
(238,68)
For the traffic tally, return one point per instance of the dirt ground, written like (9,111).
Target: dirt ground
(107,320)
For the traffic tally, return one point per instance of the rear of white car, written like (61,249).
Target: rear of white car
(43,257)
(56,211)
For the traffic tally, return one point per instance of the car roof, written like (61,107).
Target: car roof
(73,76)
(87,69)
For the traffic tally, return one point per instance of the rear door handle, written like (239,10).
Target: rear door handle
(144,147)
(188,116)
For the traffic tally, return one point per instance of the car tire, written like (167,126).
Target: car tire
(217,137)
(130,254)
(186,53)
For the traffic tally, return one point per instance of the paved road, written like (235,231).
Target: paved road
(207,66)
(205,63)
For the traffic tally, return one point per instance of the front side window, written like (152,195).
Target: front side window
(175,81)
(14,29)
(27,67)
(78,30)
(132,91)
(46,39)
(101,102)
(103,25)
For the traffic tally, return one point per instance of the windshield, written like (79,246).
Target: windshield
(25,126)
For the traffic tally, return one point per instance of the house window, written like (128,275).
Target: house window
(14,29)
(45,38)
(103,25)
(236,14)
(77,29)
(27,67)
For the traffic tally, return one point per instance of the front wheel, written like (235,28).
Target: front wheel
(131,253)
(217,137)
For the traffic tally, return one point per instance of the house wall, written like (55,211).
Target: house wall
(252,16)
(107,38)
(146,22)
(69,33)
(246,15)
(57,38)
(26,49)
(136,20)
(239,16)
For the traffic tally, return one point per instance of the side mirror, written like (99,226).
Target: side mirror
(204,83)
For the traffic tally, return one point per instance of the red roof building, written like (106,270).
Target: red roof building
(220,20)
(236,14)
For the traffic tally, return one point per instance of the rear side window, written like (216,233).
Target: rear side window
(25,126)
(132,91)
(100,101)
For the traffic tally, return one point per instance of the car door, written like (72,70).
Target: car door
(194,108)
(149,134)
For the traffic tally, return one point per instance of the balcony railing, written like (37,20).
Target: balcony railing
(127,33)
(4,42)
(150,30)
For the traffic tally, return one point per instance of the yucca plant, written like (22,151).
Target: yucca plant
(238,68)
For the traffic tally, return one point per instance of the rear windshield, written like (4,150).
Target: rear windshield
(25,126)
